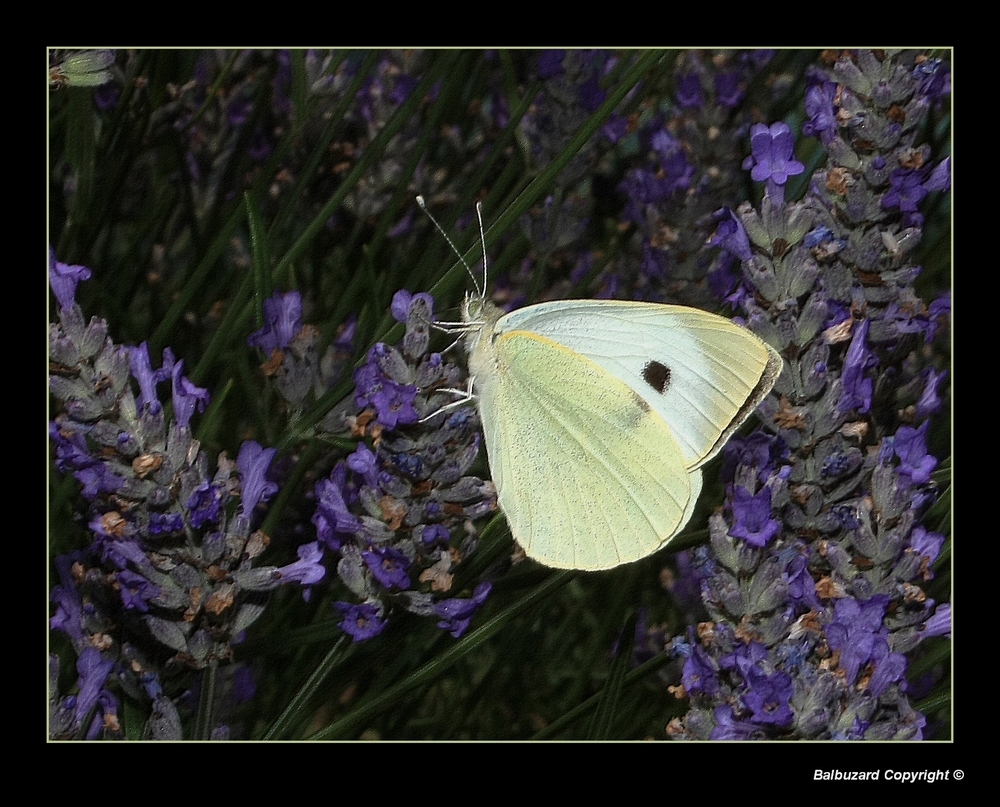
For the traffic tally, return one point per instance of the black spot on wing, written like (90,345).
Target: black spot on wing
(657,375)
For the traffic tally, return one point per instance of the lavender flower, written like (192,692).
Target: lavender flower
(838,566)
(168,579)
(771,160)
(457,613)
(291,351)
(362,620)
(397,512)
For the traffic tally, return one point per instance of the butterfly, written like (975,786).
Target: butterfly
(599,414)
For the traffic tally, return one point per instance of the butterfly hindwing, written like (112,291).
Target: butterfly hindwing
(586,472)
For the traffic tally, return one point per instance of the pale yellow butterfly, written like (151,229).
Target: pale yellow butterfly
(598,415)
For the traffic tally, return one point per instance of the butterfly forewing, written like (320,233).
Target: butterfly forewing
(700,372)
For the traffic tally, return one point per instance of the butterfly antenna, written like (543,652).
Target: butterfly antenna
(482,238)
(423,206)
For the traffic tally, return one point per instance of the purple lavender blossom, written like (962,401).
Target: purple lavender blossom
(456,614)
(858,384)
(205,504)
(364,462)
(940,623)
(94,671)
(403,300)
(822,123)
(186,397)
(906,192)
(727,88)
(689,94)
(753,518)
(282,321)
(393,401)
(148,378)
(550,63)
(308,569)
(253,462)
(772,160)
(910,446)
(767,697)
(64,279)
(728,727)
(856,631)
(731,235)
(361,621)
(333,518)
(700,671)
(389,566)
